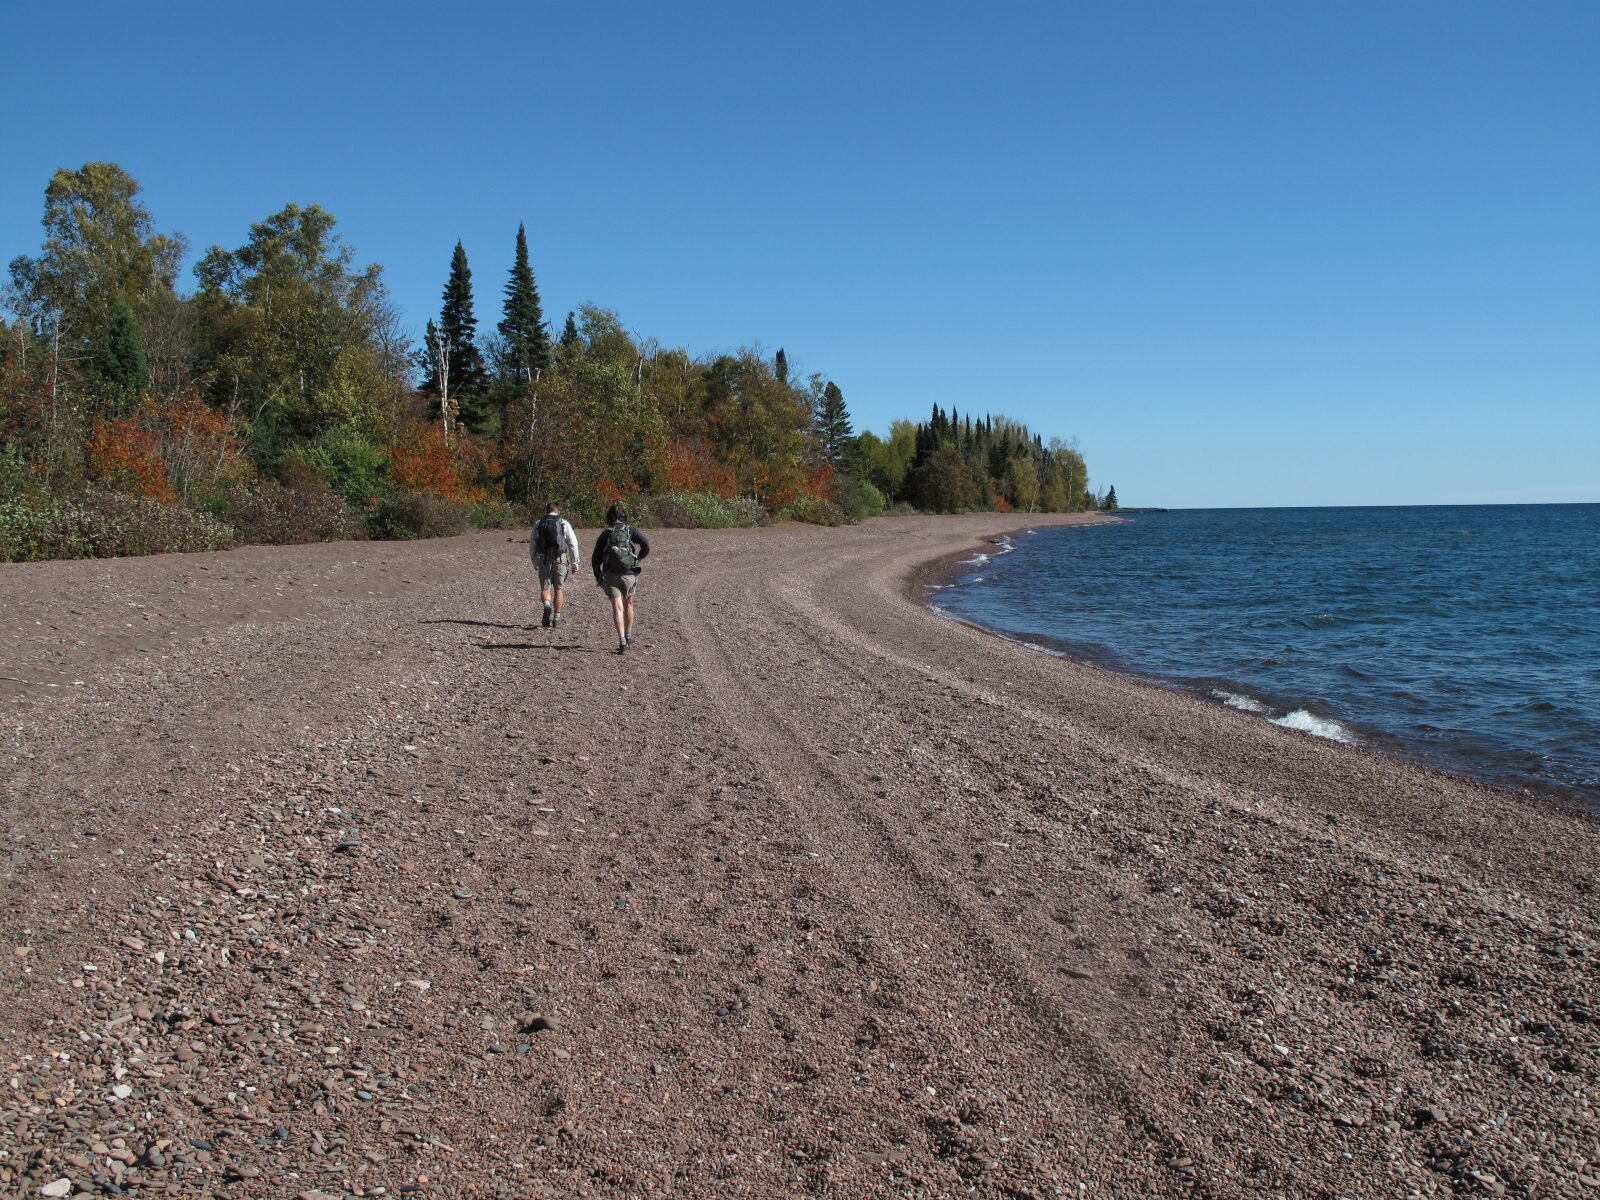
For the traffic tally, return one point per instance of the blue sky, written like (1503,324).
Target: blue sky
(1246,253)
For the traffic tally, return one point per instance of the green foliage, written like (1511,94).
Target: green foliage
(696,510)
(104,525)
(527,341)
(347,462)
(834,434)
(497,514)
(99,253)
(417,515)
(293,336)
(119,360)
(814,512)
(858,499)
(1110,502)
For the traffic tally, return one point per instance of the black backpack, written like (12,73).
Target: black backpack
(619,557)
(547,537)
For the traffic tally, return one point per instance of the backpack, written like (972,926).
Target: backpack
(619,557)
(547,538)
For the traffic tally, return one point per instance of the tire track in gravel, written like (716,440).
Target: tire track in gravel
(835,813)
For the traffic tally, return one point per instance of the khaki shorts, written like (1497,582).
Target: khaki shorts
(554,573)
(619,586)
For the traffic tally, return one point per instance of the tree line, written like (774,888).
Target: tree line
(283,399)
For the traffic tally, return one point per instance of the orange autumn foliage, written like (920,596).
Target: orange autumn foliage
(691,465)
(419,461)
(126,455)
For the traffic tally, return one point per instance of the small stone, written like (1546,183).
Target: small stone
(498,1048)
(57,1187)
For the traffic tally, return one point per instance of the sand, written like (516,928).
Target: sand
(329,872)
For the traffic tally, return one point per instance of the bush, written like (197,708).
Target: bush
(696,510)
(901,509)
(346,461)
(417,515)
(859,499)
(496,514)
(271,514)
(105,525)
(812,511)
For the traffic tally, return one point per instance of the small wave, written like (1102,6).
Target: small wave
(1323,727)
(1050,650)
(977,560)
(1242,703)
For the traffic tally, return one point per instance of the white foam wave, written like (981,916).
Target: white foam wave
(1243,703)
(978,560)
(1322,727)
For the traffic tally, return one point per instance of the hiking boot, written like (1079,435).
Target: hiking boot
(622,646)
(555,620)
(545,620)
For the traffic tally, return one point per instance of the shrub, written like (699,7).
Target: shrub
(346,461)
(495,514)
(901,509)
(696,510)
(858,498)
(417,515)
(271,514)
(814,512)
(105,525)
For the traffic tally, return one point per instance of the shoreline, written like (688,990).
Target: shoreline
(359,896)
(923,587)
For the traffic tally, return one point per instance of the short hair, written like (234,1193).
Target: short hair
(615,513)
(552,507)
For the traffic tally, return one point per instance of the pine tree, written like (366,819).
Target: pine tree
(569,332)
(1110,504)
(780,367)
(527,339)
(833,425)
(469,381)
(119,359)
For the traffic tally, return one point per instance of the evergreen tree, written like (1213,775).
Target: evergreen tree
(527,339)
(780,367)
(119,359)
(833,425)
(1111,499)
(469,381)
(569,333)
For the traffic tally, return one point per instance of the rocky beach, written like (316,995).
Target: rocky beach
(328,872)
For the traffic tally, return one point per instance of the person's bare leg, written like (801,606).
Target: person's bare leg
(618,618)
(627,618)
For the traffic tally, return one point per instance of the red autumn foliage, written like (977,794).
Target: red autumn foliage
(691,465)
(419,461)
(125,454)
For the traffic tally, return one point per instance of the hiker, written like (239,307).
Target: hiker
(553,546)
(618,551)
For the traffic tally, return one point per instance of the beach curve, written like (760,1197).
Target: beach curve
(814,891)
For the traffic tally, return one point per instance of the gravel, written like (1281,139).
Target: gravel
(328,873)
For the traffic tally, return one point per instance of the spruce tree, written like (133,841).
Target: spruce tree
(527,339)
(833,425)
(780,367)
(469,381)
(119,359)
(569,332)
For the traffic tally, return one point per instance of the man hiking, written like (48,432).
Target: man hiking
(618,551)
(553,546)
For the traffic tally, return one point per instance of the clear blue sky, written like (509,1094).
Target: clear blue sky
(1247,253)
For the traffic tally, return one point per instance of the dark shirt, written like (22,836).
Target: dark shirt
(641,547)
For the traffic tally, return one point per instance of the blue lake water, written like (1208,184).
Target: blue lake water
(1467,637)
